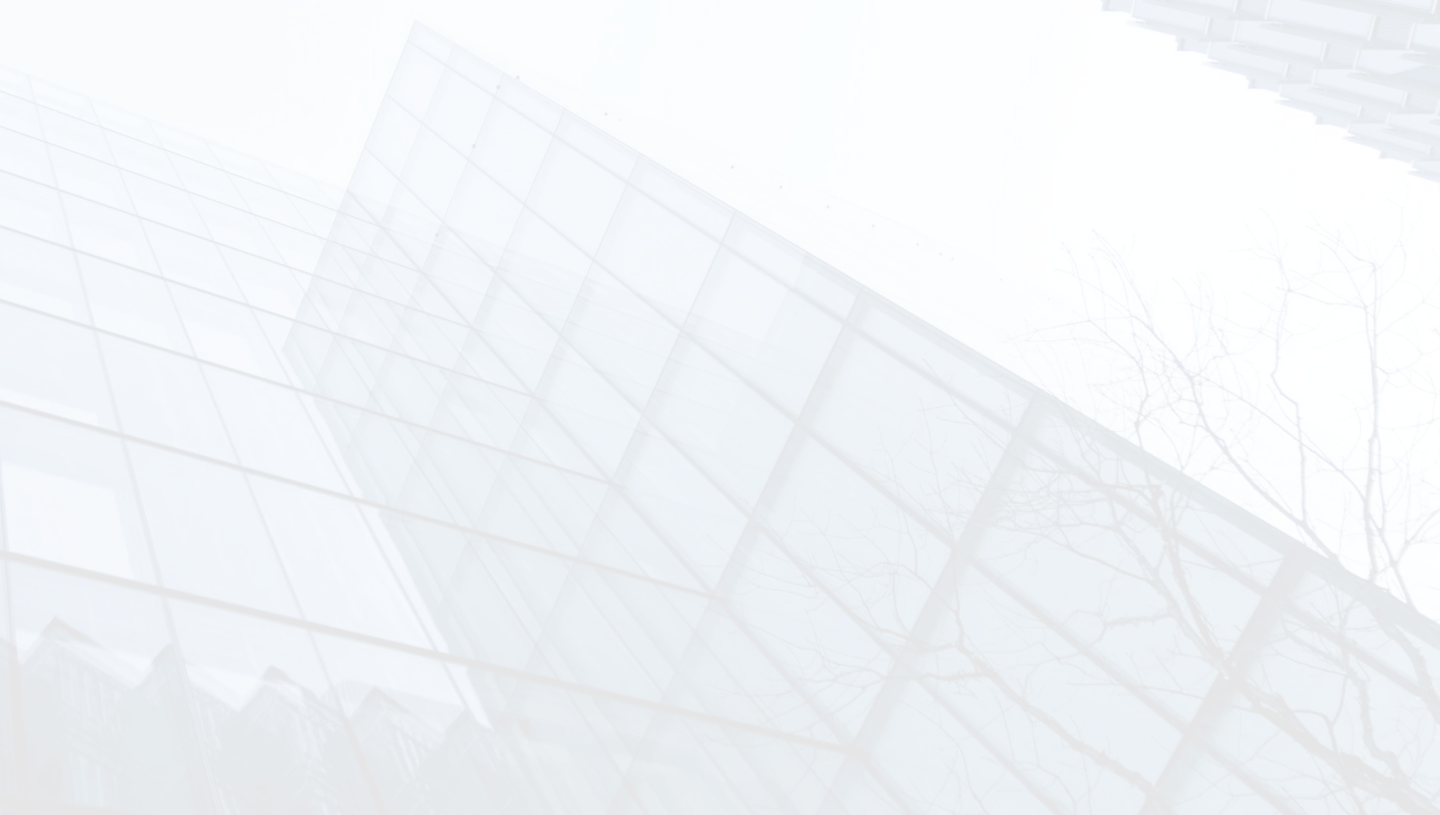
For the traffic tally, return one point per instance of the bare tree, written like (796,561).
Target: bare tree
(1067,617)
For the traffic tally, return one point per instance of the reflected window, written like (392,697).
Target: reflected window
(163,396)
(164,203)
(271,429)
(206,530)
(52,366)
(88,177)
(658,254)
(19,115)
(107,723)
(25,156)
(225,333)
(41,275)
(510,149)
(133,304)
(144,159)
(458,110)
(68,497)
(74,134)
(192,261)
(30,208)
(110,233)
(334,563)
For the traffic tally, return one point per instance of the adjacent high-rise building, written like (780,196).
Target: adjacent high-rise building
(525,477)
(1370,66)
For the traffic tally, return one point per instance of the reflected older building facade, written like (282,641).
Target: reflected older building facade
(526,478)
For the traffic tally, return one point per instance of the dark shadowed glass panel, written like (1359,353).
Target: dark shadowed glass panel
(271,732)
(105,716)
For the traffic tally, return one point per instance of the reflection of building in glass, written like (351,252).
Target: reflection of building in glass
(1370,67)
(548,484)
(101,737)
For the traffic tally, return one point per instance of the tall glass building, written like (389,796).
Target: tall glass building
(1370,66)
(525,477)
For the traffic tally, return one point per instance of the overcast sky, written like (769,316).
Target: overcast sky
(946,153)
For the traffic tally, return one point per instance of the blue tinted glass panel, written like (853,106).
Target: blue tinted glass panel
(88,177)
(133,304)
(25,156)
(52,366)
(206,530)
(163,398)
(575,195)
(144,159)
(432,172)
(598,146)
(41,275)
(510,149)
(458,111)
(663,257)
(74,134)
(271,429)
(529,102)
(19,115)
(693,205)
(192,261)
(110,233)
(95,660)
(30,208)
(164,203)
(484,215)
(766,331)
(337,569)
(68,497)
(415,79)
(225,333)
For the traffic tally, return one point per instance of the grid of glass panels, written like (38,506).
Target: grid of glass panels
(547,484)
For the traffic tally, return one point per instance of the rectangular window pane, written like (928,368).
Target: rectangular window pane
(98,181)
(271,429)
(224,332)
(163,397)
(133,304)
(32,208)
(39,275)
(164,203)
(68,497)
(207,534)
(52,367)
(24,156)
(340,574)
(109,233)
(190,259)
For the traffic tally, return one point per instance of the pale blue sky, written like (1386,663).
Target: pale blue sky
(1002,128)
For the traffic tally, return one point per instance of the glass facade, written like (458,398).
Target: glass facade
(526,478)
(1369,66)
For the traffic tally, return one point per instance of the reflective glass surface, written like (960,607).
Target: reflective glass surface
(524,477)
